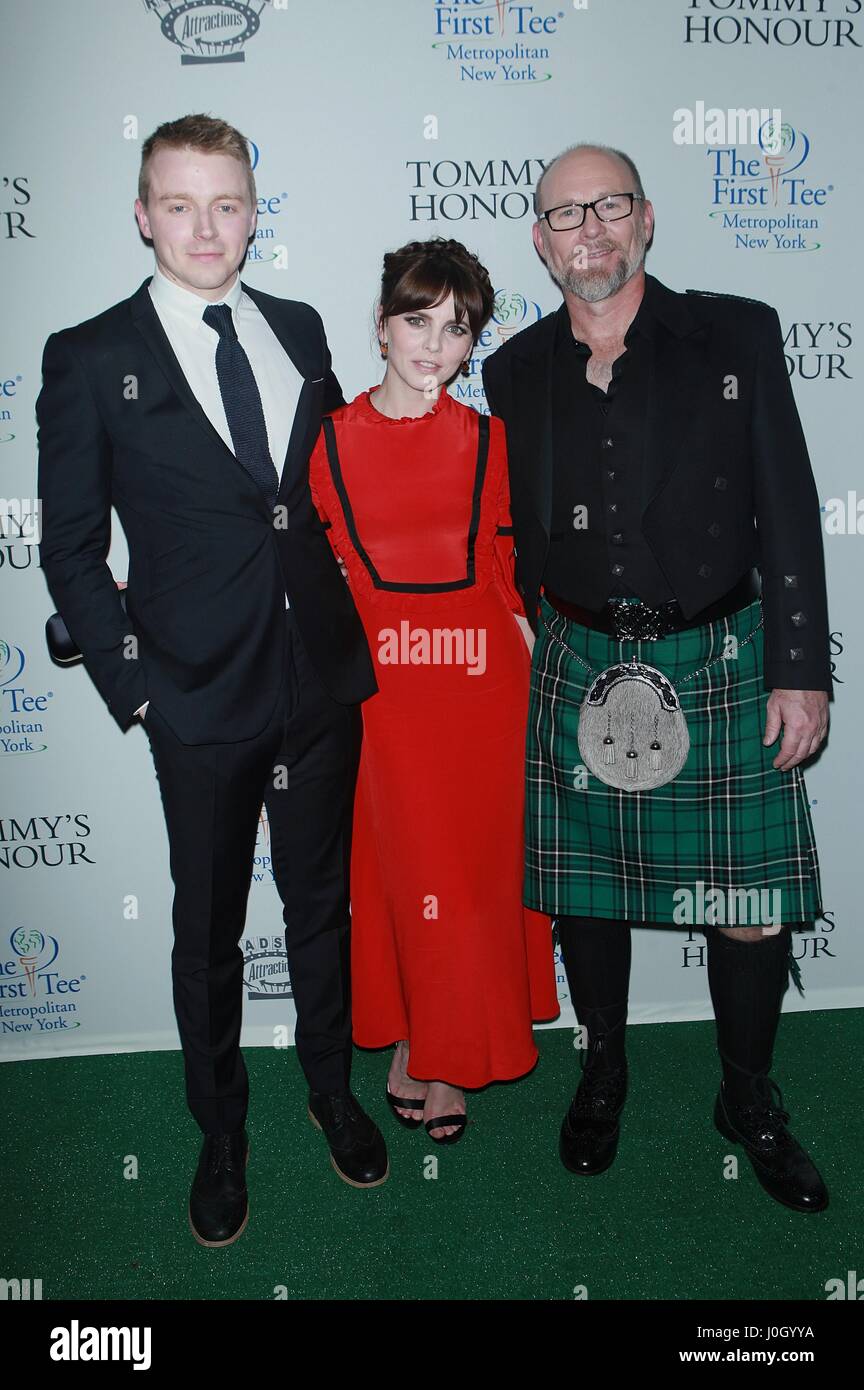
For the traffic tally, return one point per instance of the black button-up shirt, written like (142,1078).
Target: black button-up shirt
(599,478)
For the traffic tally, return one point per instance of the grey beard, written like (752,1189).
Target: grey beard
(592,286)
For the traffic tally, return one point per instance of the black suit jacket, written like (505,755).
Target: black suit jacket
(208,570)
(730,485)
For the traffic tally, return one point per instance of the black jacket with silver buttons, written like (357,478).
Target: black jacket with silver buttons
(730,481)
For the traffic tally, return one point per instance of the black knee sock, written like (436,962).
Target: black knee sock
(596,956)
(747,980)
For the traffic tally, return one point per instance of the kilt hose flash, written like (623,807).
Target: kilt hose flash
(728,842)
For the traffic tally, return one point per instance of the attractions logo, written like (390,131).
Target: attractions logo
(21,711)
(502,43)
(828,24)
(35,996)
(265,969)
(208,31)
(768,202)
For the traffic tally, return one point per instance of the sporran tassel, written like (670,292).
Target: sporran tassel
(795,969)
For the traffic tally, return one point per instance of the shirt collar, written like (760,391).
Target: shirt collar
(186,303)
(565,333)
(644,321)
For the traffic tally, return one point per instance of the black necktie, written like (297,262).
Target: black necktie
(242,402)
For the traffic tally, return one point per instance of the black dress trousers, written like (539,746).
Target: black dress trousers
(303,766)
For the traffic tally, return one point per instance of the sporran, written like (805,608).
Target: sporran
(632,731)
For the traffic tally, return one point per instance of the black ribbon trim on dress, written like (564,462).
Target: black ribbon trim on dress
(389,585)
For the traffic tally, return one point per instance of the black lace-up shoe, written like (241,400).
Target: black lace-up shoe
(218,1201)
(357,1148)
(589,1134)
(783,1167)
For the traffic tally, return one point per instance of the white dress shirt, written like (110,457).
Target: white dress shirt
(194,342)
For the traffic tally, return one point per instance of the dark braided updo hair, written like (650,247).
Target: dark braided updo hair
(422,273)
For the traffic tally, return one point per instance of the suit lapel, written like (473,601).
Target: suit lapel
(307,359)
(681,394)
(149,325)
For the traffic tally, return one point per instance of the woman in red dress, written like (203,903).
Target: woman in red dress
(446,962)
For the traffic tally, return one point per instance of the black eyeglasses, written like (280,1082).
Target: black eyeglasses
(610,208)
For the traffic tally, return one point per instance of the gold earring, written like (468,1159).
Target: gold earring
(384,349)
(465,369)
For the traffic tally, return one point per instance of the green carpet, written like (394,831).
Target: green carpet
(502,1219)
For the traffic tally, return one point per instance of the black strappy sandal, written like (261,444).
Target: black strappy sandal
(460,1120)
(404,1104)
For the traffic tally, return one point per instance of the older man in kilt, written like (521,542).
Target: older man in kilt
(665,511)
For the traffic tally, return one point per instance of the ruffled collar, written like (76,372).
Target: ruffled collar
(366,407)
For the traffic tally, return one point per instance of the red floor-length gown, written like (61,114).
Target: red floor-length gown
(443,952)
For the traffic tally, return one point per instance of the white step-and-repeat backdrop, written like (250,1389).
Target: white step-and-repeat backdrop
(371,124)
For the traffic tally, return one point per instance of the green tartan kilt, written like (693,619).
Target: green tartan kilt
(729,830)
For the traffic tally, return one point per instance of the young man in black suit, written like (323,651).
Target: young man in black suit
(192,408)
